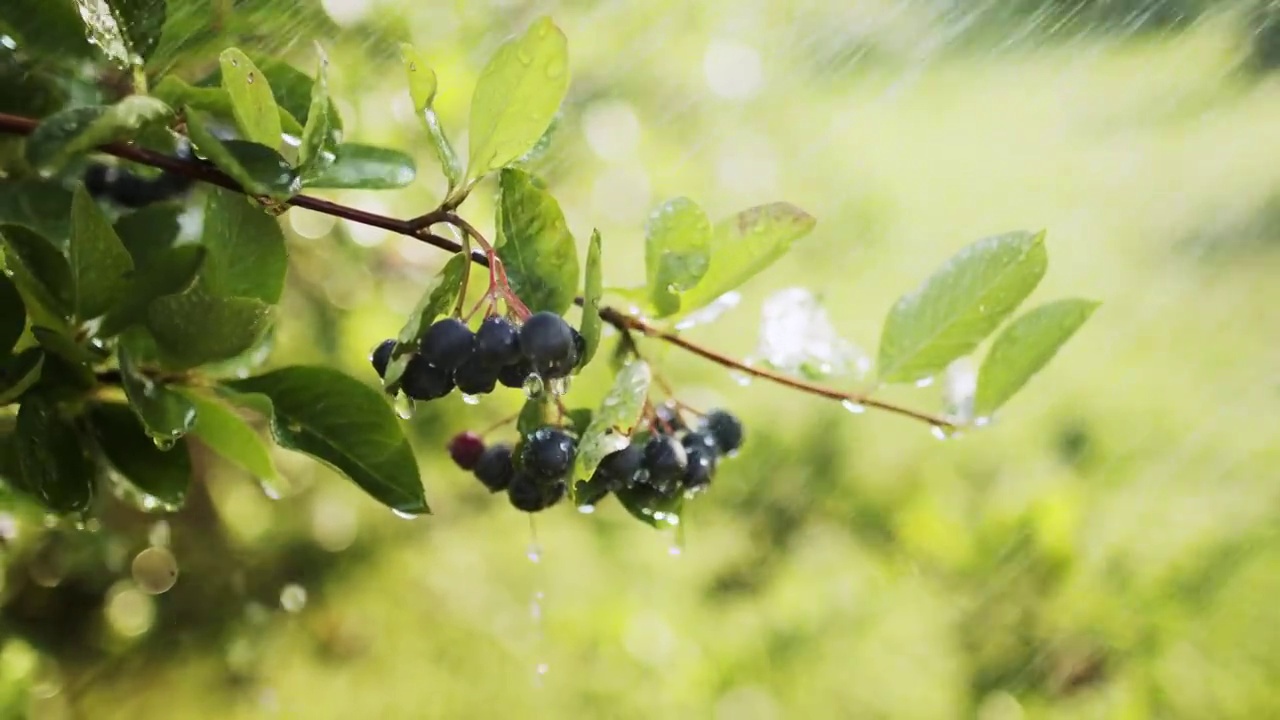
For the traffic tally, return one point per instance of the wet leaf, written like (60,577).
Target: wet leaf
(1024,347)
(252,101)
(52,457)
(344,423)
(138,24)
(517,96)
(318,147)
(213,101)
(293,90)
(364,167)
(676,253)
(40,272)
(438,297)
(13,315)
(101,269)
(422,90)
(614,420)
(171,271)
(42,207)
(593,288)
(247,254)
(48,28)
(959,305)
(66,347)
(164,474)
(259,169)
(743,245)
(165,415)
(76,131)
(651,508)
(18,373)
(222,429)
(194,328)
(533,415)
(537,248)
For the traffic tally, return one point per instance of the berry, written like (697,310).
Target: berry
(97,179)
(579,347)
(466,448)
(548,453)
(424,381)
(665,461)
(699,440)
(494,467)
(619,469)
(497,342)
(669,418)
(381,357)
(514,375)
(592,491)
(475,378)
(531,494)
(726,429)
(546,339)
(702,466)
(448,343)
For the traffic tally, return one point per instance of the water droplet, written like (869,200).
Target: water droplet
(941,432)
(534,553)
(542,668)
(163,443)
(559,387)
(404,515)
(471,399)
(674,550)
(535,606)
(586,509)
(924,382)
(159,534)
(983,421)
(249,78)
(404,406)
(741,378)
(129,611)
(293,598)
(155,570)
(413,66)
(533,386)
(853,406)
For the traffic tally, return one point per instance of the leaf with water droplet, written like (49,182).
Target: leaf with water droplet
(62,344)
(169,270)
(537,249)
(651,508)
(318,146)
(365,167)
(593,288)
(959,305)
(438,297)
(126,30)
(1024,347)
(195,328)
(165,414)
(342,422)
(292,89)
(41,274)
(247,255)
(101,268)
(676,253)
(260,170)
(516,97)
(222,429)
(214,101)
(79,130)
(18,373)
(743,245)
(612,422)
(422,79)
(252,101)
(13,315)
(51,456)
(132,451)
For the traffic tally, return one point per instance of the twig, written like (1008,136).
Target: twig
(416,228)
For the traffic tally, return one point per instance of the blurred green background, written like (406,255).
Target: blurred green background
(1107,549)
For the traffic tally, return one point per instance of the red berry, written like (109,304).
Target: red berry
(466,448)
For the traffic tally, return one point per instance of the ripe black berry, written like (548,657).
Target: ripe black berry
(466,448)
(381,357)
(514,375)
(548,453)
(448,343)
(424,381)
(699,440)
(619,469)
(531,494)
(665,462)
(494,467)
(702,466)
(546,338)
(475,378)
(726,429)
(497,342)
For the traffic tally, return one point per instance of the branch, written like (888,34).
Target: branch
(418,229)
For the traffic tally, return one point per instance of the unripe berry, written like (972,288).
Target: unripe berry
(466,448)
(497,342)
(381,357)
(424,381)
(726,429)
(531,494)
(448,343)
(545,339)
(494,467)
(548,453)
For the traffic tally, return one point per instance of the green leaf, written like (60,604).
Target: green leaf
(213,101)
(220,427)
(537,248)
(52,457)
(292,89)
(66,347)
(165,415)
(194,329)
(676,252)
(516,97)
(163,474)
(259,169)
(959,305)
(252,102)
(745,244)
(46,28)
(580,419)
(40,272)
(76,131)
(172,271)
(347,425)
(18,373)
(613,421)
(101,269)
(40,206)
(247,254)
(148,233)
(593,288)
(650,507)
(318,147)
(138,23)
(364,167)
(438,297)
(13,315)
(422,89)
(1024,347)
(533,415)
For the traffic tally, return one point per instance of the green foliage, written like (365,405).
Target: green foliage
(51,458)
(422,90)
(40,272)
(222,429)
(677,251)
(613,421)
(536,246)
(139,22)
(252,101)
(259,169)
(194,328)
(18,373)
(101,269)
(163,473)
(438,296)
(1024,347)
(41,207)
(78,130)
(13,315)
(165,414)
(592,289)
(318,146)
(363,167)
(246,250)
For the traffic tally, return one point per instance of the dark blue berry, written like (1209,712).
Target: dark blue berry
(546,339)
(381,357)
(475,378)
(665,461)
(466,448)
(497,342)
(548,453)
(699,440)
(531,494)
(494,467)
(514,375)
(726,429)
(448,343)
(702,466)
(97,179)
(619,469)
(424,381)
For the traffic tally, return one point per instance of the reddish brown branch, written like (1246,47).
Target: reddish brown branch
(417,228)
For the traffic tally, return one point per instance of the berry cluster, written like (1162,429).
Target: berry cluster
(669,460)
(451,356)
